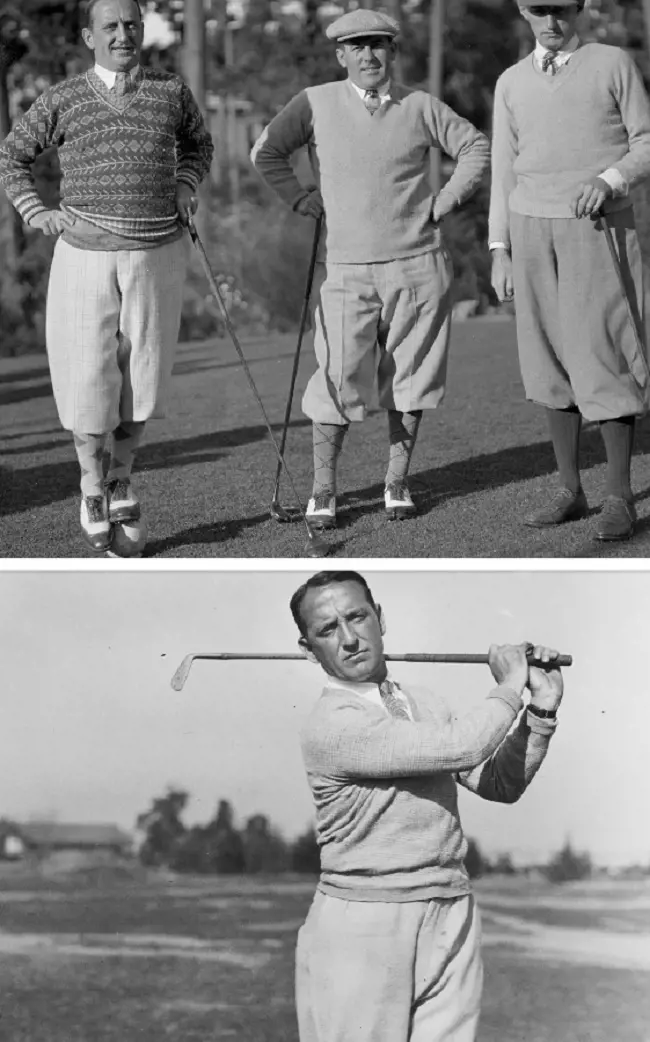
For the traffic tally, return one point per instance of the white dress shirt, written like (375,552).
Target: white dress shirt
(371,692)
(383,91)
(618,184)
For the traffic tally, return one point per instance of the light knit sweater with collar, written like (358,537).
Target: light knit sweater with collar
(385,789)
(553,132)
(373,170)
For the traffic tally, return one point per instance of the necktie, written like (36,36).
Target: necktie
(372,100)
(393,704)
(122,84)
(548,62)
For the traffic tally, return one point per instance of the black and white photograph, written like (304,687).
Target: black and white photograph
(389,806)
(279,273)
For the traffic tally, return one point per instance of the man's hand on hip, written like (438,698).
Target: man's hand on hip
(502,283)
(441,209)
(311,205)
(186,202)
(509,665)
(590,197)
(546,685)
(52,222)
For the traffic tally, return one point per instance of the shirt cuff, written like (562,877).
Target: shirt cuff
(498,246)
(541,725)
(619,186)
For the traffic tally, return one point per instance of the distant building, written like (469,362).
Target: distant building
(39,839)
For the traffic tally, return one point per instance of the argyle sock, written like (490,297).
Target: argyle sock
(328,441)
(90,450)
(618,436)
(124,445)
(564,427)
(402,433)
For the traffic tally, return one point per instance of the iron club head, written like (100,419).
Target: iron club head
(278,513)
(316,547)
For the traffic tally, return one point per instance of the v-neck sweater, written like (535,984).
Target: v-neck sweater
(552,133)
(373,170)
(120,159)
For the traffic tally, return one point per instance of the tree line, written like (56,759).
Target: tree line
(220,847)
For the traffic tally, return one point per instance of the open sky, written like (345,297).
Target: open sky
(90,729)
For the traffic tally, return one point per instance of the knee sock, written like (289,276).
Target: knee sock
(618,436)
(402,433)
(328,442)
(564,426)
(90,450)
(124,445)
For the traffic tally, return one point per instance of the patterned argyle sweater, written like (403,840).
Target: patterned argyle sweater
(385,789)
(120,158)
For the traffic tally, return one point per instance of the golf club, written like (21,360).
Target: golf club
(634,319)
(315,546)
(181,674)
(277,511)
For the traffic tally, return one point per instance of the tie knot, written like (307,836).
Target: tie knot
(548,62)
(371,99)
(392,703)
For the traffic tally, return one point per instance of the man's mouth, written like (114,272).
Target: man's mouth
(357,655)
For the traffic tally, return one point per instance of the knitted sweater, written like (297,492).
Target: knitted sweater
(385,789)
(373,171)
(120,159)
(551,133)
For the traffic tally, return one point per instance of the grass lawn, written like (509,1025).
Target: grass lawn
(206,472)
(196,959)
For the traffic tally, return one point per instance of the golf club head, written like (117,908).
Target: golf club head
(278,513)
(316,547)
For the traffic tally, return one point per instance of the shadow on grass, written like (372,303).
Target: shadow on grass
(224,532)
(26,374)
(13,395)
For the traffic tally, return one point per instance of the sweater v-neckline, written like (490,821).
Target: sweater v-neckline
(104,92)
(554,83)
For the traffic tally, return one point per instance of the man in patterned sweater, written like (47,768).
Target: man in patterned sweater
(133,149)
(381,303)
(571,137)
(390,950)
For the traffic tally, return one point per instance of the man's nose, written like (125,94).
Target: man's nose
(551,21)
(122,32)
(348,636)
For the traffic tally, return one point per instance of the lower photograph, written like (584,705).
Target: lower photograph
(324,806)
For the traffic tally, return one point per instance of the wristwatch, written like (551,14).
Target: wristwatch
(546,714)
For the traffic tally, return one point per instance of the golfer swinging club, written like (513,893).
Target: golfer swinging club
(390,949)
(133,150)
(381,299)
(571,137)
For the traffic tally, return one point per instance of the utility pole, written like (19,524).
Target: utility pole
(395,11)
(193,60)
(436,34)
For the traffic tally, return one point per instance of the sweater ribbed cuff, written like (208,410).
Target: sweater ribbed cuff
(539,725)
(29,206)
(186,178)
(507,695)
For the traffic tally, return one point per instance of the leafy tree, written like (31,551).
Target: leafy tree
(504,866)
(162,827)
(305,853)
(568,865)
(264,848)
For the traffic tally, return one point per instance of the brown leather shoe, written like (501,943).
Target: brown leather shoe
(617,519)
(564,506)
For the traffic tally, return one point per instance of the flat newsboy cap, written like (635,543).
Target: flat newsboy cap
(362,23)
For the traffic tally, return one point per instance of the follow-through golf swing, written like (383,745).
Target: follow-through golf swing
(390,950)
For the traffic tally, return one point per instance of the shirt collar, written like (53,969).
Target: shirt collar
(107,76)
(562,56)
(363,689)
(384,91)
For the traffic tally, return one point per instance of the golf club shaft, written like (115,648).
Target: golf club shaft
(249,376)
(180,676)
(296,360)
(638,334)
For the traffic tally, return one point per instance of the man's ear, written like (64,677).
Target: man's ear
(87,37)
(303,644)
(382,620)
(340,55)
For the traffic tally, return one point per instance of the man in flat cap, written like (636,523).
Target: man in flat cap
(571,137)
(381,299)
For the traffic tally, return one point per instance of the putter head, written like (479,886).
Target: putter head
(316,547)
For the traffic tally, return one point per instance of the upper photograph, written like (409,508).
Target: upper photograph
(291,278)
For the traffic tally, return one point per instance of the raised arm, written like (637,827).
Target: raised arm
(463,143)
(505,775)
(271,155)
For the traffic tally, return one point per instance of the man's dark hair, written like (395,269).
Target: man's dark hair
(90,9)
(316,582)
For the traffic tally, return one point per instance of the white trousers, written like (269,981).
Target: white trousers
(389,972)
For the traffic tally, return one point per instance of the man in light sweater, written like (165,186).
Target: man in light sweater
(390,950)
(381,301)
(571,137)
(133,150)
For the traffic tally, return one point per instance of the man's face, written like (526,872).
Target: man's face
(116,34)
(368,60)
(344,632)
(553,26)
